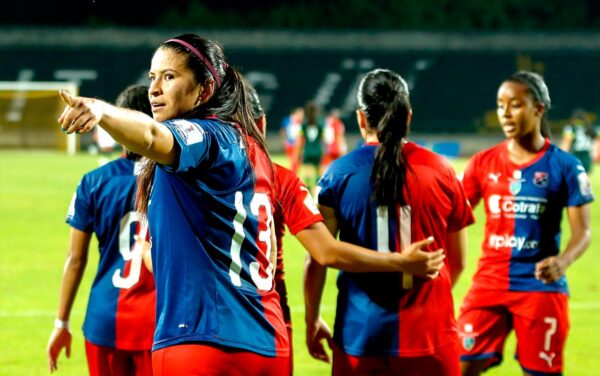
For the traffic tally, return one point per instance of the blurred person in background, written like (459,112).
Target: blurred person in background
(525,183)
(119,322)
(311,144)
(335,139)
(290,128)
(382,196)
(579,138)
(207,191)
(296,209)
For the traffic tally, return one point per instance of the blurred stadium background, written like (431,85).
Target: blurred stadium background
(453,54)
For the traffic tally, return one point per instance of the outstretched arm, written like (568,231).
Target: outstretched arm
(552,268)
(135,130)
(73,272)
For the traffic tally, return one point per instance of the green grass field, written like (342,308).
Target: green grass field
(35,191)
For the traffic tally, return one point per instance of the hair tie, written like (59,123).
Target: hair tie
(201,57)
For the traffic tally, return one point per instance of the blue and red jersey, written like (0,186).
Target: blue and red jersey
(296,209)
(381,314)
(523,206)
(211,219)
(120,311)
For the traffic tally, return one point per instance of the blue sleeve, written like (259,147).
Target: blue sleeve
(578,183)
(193,143)
(81,211)
(327,190)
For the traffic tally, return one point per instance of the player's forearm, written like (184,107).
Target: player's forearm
(314,282)
(456,250)
(576,246)
(580,223)
(139,133)
(71,279)
(329,252)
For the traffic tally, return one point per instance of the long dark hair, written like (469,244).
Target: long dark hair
(134,97)
(383,97)
(539,92)
(229,101)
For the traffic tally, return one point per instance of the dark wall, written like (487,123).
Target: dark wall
(452,91)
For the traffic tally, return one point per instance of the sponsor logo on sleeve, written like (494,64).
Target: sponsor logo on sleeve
(309,202)
(71,211)
(189,132)
(584,184)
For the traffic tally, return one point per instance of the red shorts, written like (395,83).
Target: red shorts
(443,362)
(203,360)
(108,361)
(540,321)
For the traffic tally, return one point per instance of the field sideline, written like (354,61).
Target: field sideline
(35,191)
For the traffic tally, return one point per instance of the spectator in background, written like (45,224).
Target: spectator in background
(311,143)
(290,128)
(119,322)
(208,194)
(525,183)
(579,138)
(335,138)
(382,196)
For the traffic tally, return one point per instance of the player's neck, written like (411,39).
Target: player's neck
(524,149)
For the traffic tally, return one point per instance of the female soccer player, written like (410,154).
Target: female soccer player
(524,182)
(296,209)
(209,202)
(119,322)
(382,196)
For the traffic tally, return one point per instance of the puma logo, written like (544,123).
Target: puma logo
(494,177)
(547,357)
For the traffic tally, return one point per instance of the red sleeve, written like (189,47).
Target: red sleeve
(462,215)
(470,181)
(298,206)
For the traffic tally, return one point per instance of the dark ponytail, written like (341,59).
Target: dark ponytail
(229,102)
(540,93)
(384,98)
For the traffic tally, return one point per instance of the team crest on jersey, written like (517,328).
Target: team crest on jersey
(541,179)
(189,132)
(468,343)
(516,182)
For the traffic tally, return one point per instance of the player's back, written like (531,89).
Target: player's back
(123,289)
(398,319)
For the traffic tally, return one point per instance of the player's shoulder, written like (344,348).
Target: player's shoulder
(284,174)
(563,158)
(417,155)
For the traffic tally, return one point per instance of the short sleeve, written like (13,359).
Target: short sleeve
(81,211)
(578,183)
(462,214)
(326,190)
(193,142)
(299,208)
(470,181)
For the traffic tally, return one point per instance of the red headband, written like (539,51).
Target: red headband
(201,57)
